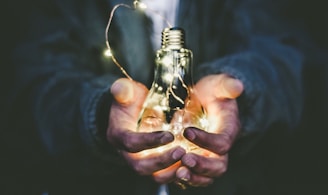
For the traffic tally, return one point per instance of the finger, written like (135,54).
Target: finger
(224,128)
(205,166)
(123,118)
(126,91)
(122,90)
(185,176)
(147,165)
(217,143)
(137,141)
(222,85)
(167,175)
(124,112)
(229,87)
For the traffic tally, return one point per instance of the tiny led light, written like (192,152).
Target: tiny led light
(158,108)
(166,127)
(204,122)
(137,5)
(168,77)
(160,88)
(167,61)
(108,53)
(142,5)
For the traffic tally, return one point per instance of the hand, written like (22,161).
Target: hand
(217,94)
(129,97)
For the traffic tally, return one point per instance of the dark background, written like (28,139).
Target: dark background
(302,159)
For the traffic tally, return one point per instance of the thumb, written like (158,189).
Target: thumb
(219,86)
(228,87)
(123,90)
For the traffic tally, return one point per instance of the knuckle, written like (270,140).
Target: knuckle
(224,149)
(161,162)
(114,139)
(129,144)
(201,167)
(222,169)
(137,167)
(224,144)
(205,183)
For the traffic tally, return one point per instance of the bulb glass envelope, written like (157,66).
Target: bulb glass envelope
(171,104)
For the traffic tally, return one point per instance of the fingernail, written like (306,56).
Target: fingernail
(178,153)
(166,138)
(183,174)
(189,134)
(189,162)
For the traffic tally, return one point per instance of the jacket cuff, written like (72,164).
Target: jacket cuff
(95,105)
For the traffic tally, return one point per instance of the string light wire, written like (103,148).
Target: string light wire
(137,4)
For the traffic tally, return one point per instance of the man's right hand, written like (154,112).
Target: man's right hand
(121,133)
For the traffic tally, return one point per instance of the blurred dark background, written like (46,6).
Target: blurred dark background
(301,164)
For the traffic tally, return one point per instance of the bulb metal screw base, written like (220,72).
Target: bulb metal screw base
(173,38)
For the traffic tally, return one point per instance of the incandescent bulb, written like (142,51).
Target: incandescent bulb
(171,104)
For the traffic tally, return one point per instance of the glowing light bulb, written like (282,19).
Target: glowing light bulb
(171,104)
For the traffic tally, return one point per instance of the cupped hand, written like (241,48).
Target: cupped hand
(121,133)
(217,94)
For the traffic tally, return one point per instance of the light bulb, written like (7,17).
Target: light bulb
(171,104)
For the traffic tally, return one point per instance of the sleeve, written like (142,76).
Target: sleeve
(61,97)
(262,53)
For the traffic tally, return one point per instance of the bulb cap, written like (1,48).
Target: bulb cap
(173,38)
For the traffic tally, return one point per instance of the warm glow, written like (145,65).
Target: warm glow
(171,168)
(204,122)
(168,77)
(108,53)
(215,124)
(166,127)
(167,61)
(142,5)
(160,88)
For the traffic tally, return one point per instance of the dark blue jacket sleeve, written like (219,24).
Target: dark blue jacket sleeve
(61,82)
(264,51)
(271,74)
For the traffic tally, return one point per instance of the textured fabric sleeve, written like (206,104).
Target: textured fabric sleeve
(263,49)
(62,82)
(271,74)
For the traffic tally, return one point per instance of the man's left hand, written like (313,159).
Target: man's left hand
(217,94)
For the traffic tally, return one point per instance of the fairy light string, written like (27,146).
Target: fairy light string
(136,5)
(176,127)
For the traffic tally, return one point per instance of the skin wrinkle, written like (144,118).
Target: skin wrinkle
(200,169)
(228,47)
(220,103)
(142,166)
